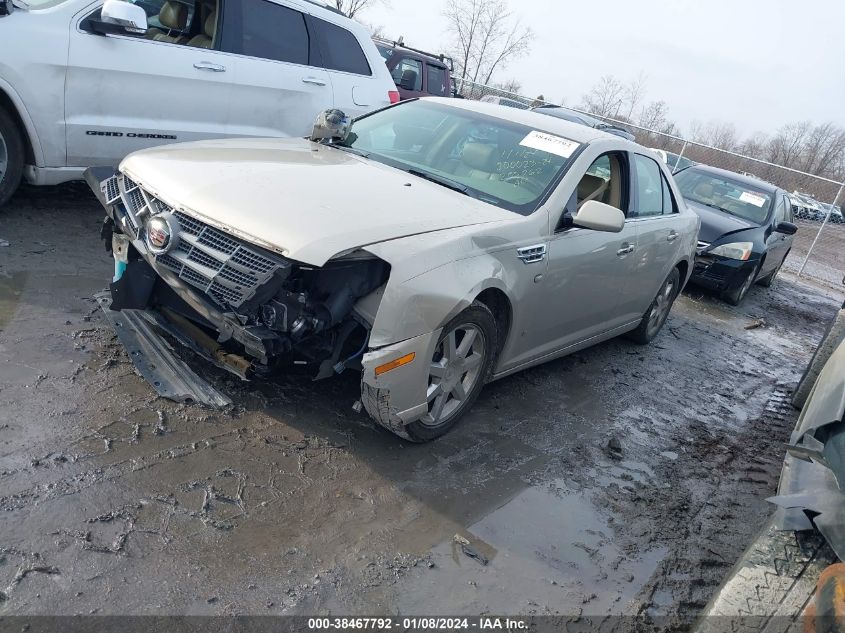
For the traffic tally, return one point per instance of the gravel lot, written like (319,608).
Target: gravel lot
(115,501)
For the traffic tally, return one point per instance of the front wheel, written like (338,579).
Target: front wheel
(735,297)
(458,370)
(769,279)
(11,157)
(658,311)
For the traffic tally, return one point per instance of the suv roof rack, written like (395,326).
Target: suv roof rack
(401,44)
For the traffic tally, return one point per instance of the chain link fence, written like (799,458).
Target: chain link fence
(818,251)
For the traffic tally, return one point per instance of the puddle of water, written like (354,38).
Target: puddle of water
(549,551)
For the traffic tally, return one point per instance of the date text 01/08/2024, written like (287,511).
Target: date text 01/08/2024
(417,623)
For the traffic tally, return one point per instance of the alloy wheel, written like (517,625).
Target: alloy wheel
(662,305)
(454,372)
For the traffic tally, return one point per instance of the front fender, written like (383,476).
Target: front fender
(427,302)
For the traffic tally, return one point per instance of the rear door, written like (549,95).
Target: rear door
(126,93)
(655,213)
(356,88)
(279,83)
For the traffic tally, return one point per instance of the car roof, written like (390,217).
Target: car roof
(541,122)
(746,180)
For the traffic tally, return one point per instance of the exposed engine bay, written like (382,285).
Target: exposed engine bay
(245,308)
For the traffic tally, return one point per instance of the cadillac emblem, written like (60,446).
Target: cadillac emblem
(162,233)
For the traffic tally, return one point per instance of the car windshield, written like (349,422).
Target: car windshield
(725,194)
(495,160)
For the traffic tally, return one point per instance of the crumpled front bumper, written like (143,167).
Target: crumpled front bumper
(403,389)
(258,342)
(720,273)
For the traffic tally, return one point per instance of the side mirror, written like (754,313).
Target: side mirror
(787,228)
(120,18)
(409,80)
(599,216)
(332,126)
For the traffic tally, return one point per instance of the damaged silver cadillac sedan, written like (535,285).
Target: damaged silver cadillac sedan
(434,245)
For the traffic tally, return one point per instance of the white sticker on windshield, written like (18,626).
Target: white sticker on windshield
(550,144)
(752,198)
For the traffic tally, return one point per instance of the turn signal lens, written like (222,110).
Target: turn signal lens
(404,360)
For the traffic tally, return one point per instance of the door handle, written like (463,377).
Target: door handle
(672,236)
(625,250)
(316,81)
(215,68)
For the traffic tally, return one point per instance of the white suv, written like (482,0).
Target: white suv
(85,84)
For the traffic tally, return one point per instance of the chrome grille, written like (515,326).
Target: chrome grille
(225,268)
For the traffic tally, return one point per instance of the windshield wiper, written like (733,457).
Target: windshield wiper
(454,185)
(717,207)
(351,150)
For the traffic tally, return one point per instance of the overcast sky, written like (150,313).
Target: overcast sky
(756,63)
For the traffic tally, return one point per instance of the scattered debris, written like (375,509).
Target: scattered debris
(759,323)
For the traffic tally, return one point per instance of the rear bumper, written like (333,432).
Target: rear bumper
(721,273)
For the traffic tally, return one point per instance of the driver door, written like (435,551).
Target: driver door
(578,297)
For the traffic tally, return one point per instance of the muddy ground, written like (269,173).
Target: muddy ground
(114,501)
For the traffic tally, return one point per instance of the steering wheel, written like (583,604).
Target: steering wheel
(531,184)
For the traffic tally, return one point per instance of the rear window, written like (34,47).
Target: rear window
(438,80)
(341,50)
(271,31)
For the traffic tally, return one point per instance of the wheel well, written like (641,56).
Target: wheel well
(499,304)
(683,268)
(8,105)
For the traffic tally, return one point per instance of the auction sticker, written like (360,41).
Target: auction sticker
(549,143)
(752,198)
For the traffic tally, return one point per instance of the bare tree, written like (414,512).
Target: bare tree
(485,37)
(605,98)
(634,93)
(352,7)
(716,134)
(513,86)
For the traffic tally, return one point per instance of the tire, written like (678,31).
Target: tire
(736,296)
(11,157)
(769,279)
(446,408)
(657,313)
(834,336)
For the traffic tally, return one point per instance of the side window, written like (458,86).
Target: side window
(603,181)
(267,30)
(648,188)
(408,74)
(437,80)
(669,205)
(341,50)
(780,211)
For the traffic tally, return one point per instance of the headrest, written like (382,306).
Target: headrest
(173,15)
(480,156)
(210,24)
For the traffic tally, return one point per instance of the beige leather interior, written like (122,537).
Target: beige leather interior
(173,16)
(480,159)
(591,188)
(206,38)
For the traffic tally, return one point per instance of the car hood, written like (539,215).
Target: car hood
(715,223)
(306,201)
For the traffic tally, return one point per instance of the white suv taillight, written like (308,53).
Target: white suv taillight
(393,95)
